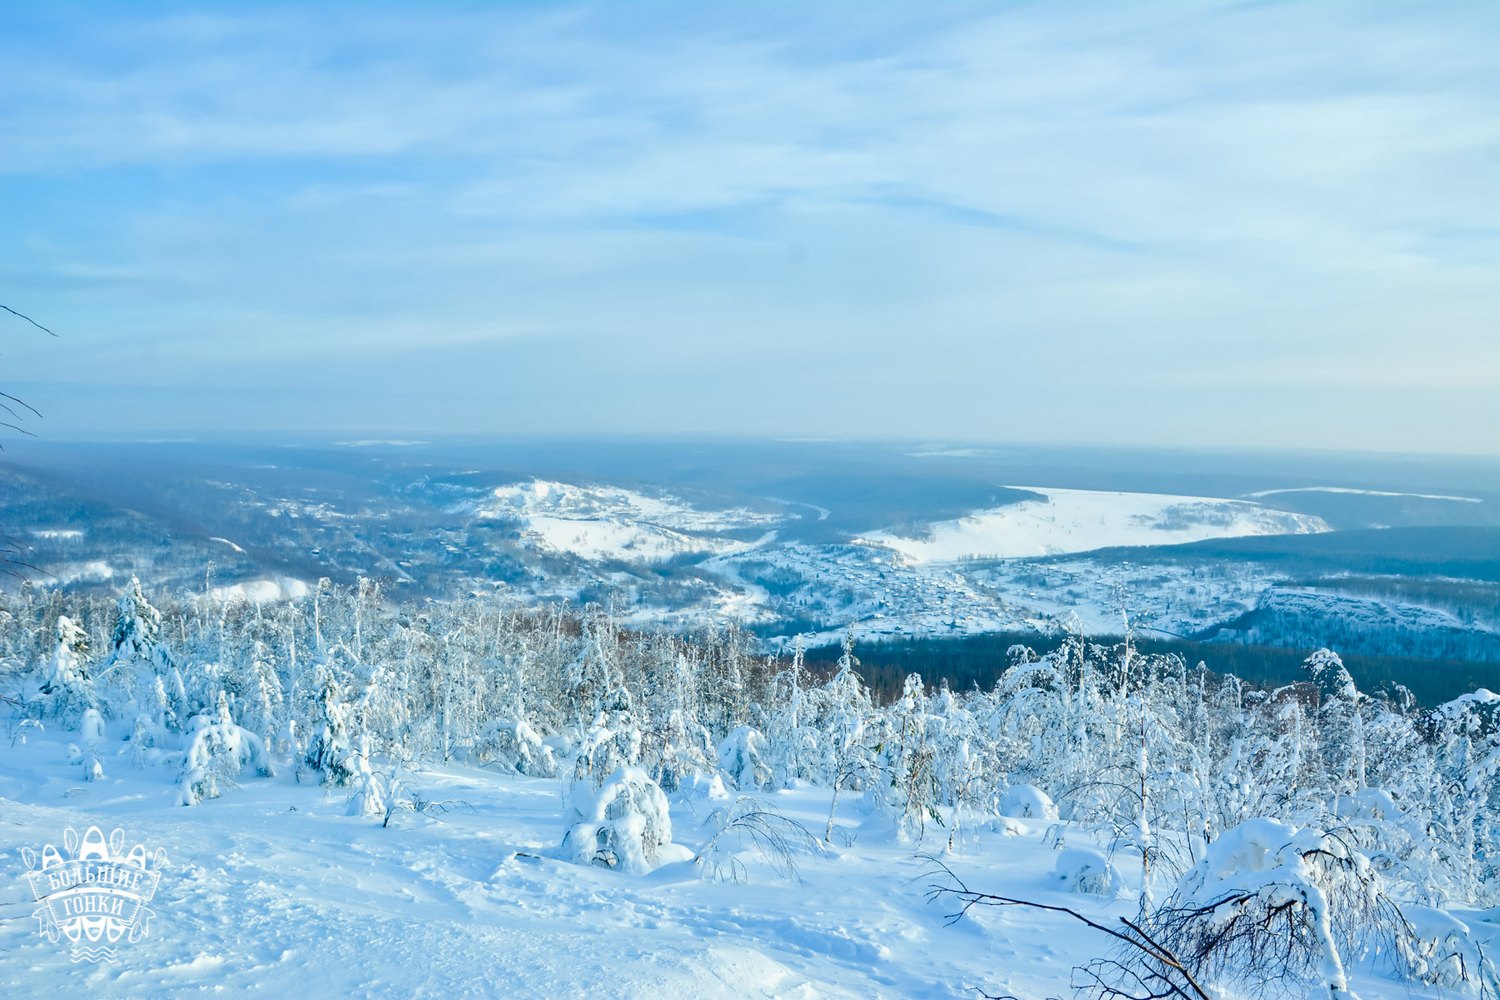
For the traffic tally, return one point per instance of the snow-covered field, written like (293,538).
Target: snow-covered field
(1068,521)
(1364,493)
(262,591)
(600,523)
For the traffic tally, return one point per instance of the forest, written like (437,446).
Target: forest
(1267,834)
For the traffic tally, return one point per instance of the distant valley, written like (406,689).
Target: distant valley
(800,540)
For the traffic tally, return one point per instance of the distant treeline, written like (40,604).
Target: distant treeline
(978,661)
(1467,552)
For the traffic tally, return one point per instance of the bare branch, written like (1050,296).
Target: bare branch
(27,319)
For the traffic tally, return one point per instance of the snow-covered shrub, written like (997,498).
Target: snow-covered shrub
(217,750)
(622,824)
(684,751)
(611,743)
(776,839)
(1279,907)
(92,767)
(1027,802)
(515,747)
(145,736)
(91,728)
(850,759)
(742,758)
(370,793)
(790,736)
(699,787)
(139,669)
(909,792)
(1083,870)
(1005,826)
(1437,949)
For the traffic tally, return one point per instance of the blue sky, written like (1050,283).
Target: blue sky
(1238,224)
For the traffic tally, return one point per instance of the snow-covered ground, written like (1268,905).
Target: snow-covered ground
(94,569)
(262,591)
(1067,521)
(1364,493)
(599,523)
(272,890)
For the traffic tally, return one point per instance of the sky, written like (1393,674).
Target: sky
(1183,224)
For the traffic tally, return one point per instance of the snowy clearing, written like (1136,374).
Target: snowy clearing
(1365,493)
(262,591)
(57,534)
(607,522)
(1069,521)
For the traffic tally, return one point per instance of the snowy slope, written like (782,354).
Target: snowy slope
(1067,521)
(598,523)
(273,891)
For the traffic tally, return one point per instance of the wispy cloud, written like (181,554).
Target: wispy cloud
(1215,197)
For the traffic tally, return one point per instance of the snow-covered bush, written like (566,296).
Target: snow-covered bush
(91,728)
(622,824)
(217,750)
(611,743)
(682,752)
(1438,949)
(515,747)
(742,758)
(701,787)
(909,791)
(91,766)
(1280,907)
(370,792)
(329,752)
(749,822)
(1088,871)
(1027,802)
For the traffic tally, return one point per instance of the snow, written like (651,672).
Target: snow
(1067,521)
(379,443)
(94,569)
(1027,802)
(227,542)
(57,534)
(600,523)
(262,591)
(272,890)
(610,539)
(1086,870)
(564,500)
(1366,493)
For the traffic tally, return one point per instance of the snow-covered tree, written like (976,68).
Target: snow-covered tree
(68,690)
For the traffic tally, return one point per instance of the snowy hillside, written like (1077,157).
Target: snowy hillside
(273,891)
(539,804)
(1070,521)
(601,523)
